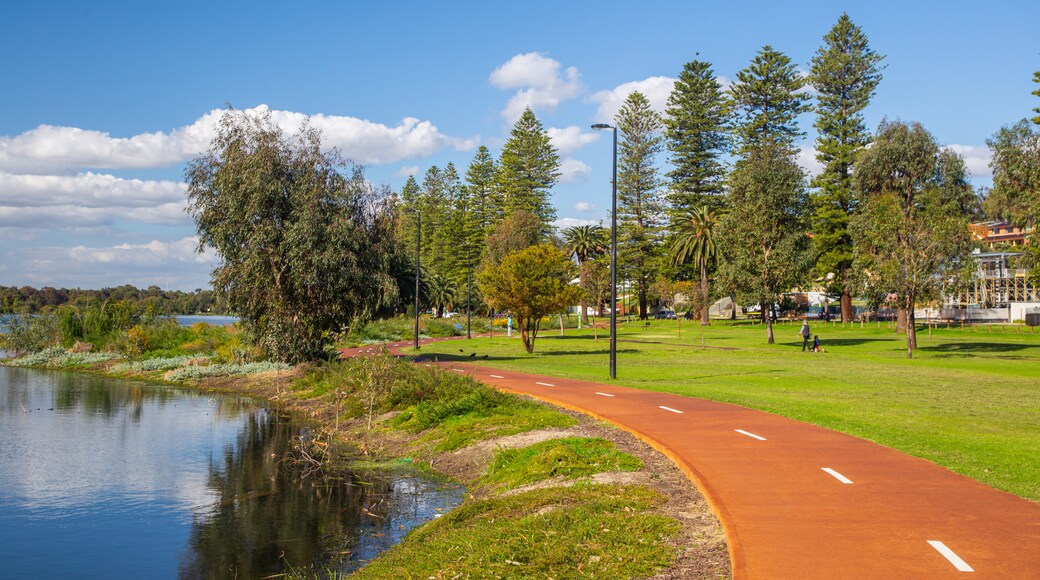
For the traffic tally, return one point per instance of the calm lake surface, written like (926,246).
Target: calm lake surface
(102,478)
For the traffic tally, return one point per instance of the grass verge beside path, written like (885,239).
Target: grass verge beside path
(968,400)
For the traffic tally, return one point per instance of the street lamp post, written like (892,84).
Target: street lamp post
(613,255)
(418,247)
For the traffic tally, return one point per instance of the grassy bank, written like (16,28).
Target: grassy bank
(968,400)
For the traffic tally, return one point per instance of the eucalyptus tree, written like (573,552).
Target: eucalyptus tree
(695,242)
(845,73)
(1016,180)
(585,243)
(303,240)
(697,135)
(911,230)
(764,241)
(640,206)
(528,169)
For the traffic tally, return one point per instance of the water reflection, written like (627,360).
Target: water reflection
(106,478)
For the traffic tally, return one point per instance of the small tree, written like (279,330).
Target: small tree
(531,284)
(585,243)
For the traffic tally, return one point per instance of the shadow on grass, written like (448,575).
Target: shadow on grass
(969,347)
(826,342)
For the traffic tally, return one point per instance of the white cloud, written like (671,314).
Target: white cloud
(170,264)
(153,253)
(569,139)
(87,190)
(572,170)
(655,89)
(541,83)
(584,207)
(976,158)
(408,170)
(50,149)
(87,200)
(807,160)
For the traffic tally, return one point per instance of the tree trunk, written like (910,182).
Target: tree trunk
(769,330)
(526,336)
(762,312)
(733,311)
(846,306)
(704,295)
(900,320)
(584,312)
(642,300)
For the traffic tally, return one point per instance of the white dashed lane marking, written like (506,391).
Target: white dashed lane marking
(752,435)
(951,556)
(670,409)
(837,475)
(544,384)
(604,394)
(458,370)
(496,376)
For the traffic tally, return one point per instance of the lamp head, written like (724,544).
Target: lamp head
(599,126)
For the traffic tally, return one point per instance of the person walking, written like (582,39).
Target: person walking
(806,333)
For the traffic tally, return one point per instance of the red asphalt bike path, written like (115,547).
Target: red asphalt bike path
(800,501)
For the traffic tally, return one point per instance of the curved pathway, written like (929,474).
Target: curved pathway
(801,501)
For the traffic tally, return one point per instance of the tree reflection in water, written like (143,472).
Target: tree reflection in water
(268,517)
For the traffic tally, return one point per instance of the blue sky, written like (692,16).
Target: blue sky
(102,103)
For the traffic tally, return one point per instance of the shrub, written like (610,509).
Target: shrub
(30,333)
(194,373)
(153,364)
(58,357)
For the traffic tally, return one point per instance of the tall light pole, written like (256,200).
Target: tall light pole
(418,246)
(469,291)
(613,255)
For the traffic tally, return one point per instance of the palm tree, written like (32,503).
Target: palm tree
(585,243)
(441,292)
(695,242)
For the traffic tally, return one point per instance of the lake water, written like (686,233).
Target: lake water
(102,478)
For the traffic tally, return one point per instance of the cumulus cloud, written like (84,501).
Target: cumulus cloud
(170,264)
(584,207)
(409,170)
(807,160)
(87,200)
(50,149)
(655,89)
(541,82)
(87,190)
(569,139)
(977,159)
(572,170)
(153,253)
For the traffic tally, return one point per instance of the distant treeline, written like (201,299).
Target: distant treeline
(28,300)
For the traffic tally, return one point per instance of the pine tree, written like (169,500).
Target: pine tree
(696,130)
(768,98)
(484,200)
(639,204)
(845,73)
(406,218)
(1036,79)
(528,169)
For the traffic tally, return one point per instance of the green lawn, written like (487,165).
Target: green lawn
(968,400)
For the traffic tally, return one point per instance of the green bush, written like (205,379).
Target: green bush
(58,357)
(30,333)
